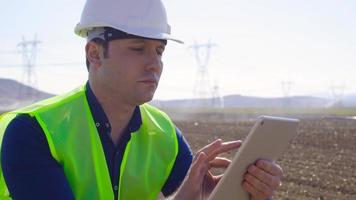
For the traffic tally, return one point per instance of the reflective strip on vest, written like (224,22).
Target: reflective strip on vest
(4,121)
(74,142)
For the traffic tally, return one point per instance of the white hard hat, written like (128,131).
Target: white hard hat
(144,18)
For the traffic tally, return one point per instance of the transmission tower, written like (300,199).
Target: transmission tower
(202,88)
(218,100)
(286,88)
(337,92)
(29,50)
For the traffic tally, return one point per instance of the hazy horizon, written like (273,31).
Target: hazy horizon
(260,44)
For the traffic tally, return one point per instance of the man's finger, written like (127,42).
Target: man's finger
(255,194)
(265,177)
(219,162)
(270,167)
(200,166)
(217,178)
(208,149)
(224,147)
(259,185)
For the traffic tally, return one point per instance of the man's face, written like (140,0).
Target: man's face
(132,69)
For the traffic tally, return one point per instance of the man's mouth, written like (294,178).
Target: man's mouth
(149,81)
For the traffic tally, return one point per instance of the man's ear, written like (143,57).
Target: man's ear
(93,53)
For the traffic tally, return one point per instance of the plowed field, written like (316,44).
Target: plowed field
(320,163)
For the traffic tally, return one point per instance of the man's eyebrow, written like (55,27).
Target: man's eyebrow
(139,40)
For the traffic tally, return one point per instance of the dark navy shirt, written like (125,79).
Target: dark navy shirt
(31,172)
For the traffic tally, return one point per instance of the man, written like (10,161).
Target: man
(102,141)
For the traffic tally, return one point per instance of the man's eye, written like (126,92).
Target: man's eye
(137,49)
(160,51)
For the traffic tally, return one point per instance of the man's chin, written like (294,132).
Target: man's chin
(145,99)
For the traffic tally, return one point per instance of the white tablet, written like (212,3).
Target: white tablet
(266,140)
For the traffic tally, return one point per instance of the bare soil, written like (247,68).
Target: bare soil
(320,163)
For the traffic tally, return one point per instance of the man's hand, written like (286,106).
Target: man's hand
(200,182)
(262,179)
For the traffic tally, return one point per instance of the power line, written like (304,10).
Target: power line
(62,64)
(45,65)
(9,52)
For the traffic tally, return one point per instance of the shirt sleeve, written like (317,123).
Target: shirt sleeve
(181,166)
(29,169)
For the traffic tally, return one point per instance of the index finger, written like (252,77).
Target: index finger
(208,149)
(224,147)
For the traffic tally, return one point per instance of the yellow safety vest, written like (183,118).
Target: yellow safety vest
(74,142)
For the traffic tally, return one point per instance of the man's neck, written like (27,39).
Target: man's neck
(117,112)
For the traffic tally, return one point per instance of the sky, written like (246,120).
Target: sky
(259,45)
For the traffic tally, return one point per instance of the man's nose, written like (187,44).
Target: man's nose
(154,62)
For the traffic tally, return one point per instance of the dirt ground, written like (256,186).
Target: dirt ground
(320,163)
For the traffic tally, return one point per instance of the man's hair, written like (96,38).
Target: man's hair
(101,42)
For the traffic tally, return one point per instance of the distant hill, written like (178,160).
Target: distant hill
(239,101)
(295,101)
(350,100)
(14,94)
